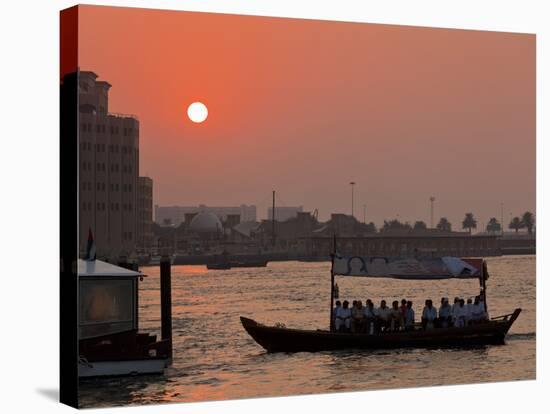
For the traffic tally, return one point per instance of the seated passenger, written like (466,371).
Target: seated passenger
(454,306)
(454,309)
(478,310)
(461,314)
(409,317)
(335,312)
(383,316)
(396,318)
(358,315)
(403,308)
(429,314)
(469,306)
(445,317)
(370,317)
(343,318)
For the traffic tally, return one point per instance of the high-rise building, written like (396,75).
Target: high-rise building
(108,171)
(144,238)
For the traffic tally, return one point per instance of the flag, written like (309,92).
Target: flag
(90,248)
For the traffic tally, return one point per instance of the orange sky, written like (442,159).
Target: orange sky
(304,107)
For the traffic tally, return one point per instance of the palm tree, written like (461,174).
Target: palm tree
(493,226)
(444,225)
(469,222)
(528,220)
(419,225)
(516,224)
(395,225)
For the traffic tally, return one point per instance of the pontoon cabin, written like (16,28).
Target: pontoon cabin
(109,341)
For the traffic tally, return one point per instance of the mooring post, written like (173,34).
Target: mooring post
(166,301)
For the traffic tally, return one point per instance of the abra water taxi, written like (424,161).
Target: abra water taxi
(493,331)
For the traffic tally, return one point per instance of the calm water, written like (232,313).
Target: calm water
(215,359)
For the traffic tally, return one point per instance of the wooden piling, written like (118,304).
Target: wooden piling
(166,301)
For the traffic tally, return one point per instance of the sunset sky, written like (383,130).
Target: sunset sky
(304,107)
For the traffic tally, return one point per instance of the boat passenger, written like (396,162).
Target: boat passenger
(409,317)
(469,306)
(370,317)
(335,311)
(343,318)
(478,310)
(454,308)
(383,315)
(403,308)
(461,314)
(429,315)
(358,316)
(445,316)
(396,318)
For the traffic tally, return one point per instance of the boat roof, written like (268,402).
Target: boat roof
(98,268)
(408,268)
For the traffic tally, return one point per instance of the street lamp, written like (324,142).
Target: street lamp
(432,199)
(352,183)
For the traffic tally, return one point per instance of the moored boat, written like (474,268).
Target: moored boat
(110,343)
(219,266)
(249,263)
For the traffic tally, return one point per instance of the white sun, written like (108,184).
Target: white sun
(197,112)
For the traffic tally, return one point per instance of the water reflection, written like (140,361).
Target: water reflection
(215,359)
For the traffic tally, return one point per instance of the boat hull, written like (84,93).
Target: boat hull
(278,339)
(120,368)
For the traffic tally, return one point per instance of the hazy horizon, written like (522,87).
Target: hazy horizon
(304,107)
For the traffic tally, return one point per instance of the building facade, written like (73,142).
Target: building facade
(284,213)
(404,245)
(108,171)
(144,239)
(175,215)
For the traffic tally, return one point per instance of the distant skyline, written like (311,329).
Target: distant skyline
(304,107)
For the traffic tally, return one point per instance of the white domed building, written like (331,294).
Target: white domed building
(206,225)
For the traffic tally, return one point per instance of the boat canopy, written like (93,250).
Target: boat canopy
(408,268)
(98,268)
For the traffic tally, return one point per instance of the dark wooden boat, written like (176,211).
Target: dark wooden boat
(480,332)
(218,266)
(281,339)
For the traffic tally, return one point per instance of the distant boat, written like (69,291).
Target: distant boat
(219,266)
(249,263)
